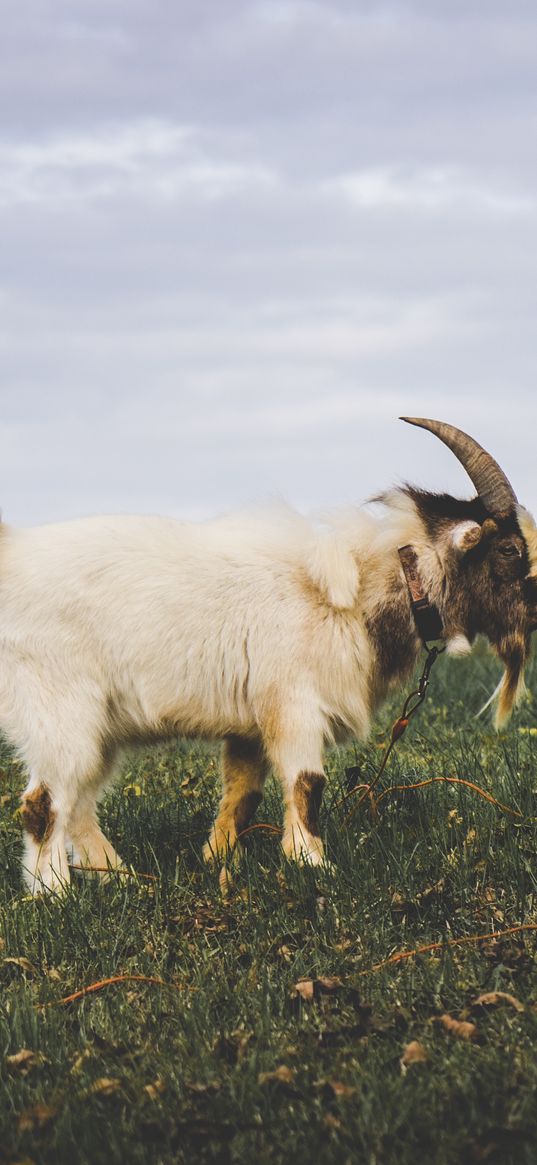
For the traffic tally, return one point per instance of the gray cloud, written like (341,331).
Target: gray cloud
(239,239)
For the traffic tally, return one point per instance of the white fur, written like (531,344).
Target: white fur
(254,628)
(458,645)
(459,536)
(529,531)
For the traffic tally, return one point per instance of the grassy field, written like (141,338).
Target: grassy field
(229,1062)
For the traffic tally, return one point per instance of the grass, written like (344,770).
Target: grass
(144,1073)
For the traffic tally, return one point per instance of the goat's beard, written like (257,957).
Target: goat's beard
(511,688)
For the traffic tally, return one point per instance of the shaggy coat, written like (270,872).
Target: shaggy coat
(272,633)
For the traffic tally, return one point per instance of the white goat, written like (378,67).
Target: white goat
(275,635)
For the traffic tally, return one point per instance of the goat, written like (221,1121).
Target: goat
(273,634)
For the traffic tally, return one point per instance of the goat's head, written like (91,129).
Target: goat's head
(488,550)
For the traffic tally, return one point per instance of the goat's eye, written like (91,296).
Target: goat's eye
(509,550)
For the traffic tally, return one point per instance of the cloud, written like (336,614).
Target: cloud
(433,189)
(150,159)
(240,237)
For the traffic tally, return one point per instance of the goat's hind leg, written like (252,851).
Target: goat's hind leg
(244,769)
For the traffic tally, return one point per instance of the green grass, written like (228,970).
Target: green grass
(184,1067)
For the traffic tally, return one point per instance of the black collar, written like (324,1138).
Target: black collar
(427,617)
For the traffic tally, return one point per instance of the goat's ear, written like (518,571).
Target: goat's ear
(466,536)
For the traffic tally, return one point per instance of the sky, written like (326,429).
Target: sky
(239,238)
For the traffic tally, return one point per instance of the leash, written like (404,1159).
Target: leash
(429,625)
(413,701)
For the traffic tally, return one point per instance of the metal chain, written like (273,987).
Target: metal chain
(413,701)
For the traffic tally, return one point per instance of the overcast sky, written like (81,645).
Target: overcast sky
(240,237)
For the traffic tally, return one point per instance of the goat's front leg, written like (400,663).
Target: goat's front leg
(44,858)
(58,806)
(298,763)
(244,768)
(301,834)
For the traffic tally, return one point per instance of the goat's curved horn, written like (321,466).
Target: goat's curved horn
(493,487)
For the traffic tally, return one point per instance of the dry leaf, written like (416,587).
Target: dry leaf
(155,1089)
(459,1028)
(414,1053)
(329,983)
(23,1061)
(336,1088)
(309,988)
(200,1089)
(80,1060)
(280,1075)
(305,988)
(494,998)
(286,952)
(36,1118)
(436,888)
(23,963)
(102,1086)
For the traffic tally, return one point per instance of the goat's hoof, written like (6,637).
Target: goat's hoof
(303,855)
(37,888)
(313,860)
(210,855)
(225,881)
(218,851)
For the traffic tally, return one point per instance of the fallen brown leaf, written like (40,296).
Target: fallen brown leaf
(460,1028)
(495,998)
(154,1090)
(330,1121)
(305,988)
(436,888)
(335,1088)
(329,983)
(32,1120)
(80,1060)
(414,1053)
(102,1086)
(324,984)
(200,1089)
(285,952)
(281,1075)
(23,1061)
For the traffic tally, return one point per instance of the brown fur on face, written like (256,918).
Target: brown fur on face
(308,793)
(487,590)
(37,815)
(487,587)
